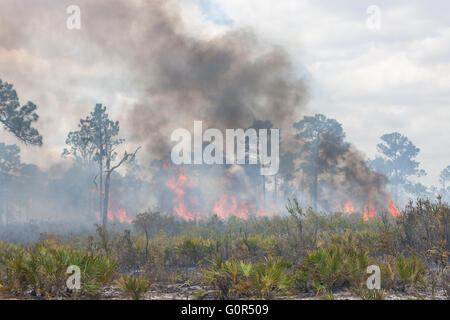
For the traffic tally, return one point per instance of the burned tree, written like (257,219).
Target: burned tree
(253,171)
(97,140)
(444,177)
(126,157)
(323,143)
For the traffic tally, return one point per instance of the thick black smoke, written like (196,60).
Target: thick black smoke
(170,77)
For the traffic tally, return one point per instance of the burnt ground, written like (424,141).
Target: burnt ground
(161,291)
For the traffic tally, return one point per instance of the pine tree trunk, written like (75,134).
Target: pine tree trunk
(107,183)
(100,188)
(315,187)
(276,189)
(106,199)
(100,195)
(316,172)
(264,189)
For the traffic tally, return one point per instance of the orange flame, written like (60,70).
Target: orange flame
(113,214)
(348,207)
(365,216)
(371,210)
(177,184)
(227,205)
(119,214)
(392,208)
(225,208)
(123,218)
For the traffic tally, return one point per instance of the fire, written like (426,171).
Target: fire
(265,211)
(392,208)
(227,207)
(110,215)
(123,218)
(365,216)
(371,210)
(177,184)
(119,214)
(369,214)
(114,213)
(348,207)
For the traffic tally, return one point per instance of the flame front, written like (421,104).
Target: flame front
(348,207)
(114,213)
(392,208)
(365,216)
(371,210)
(187,204)
(368,210)
(177,184)
(227,207)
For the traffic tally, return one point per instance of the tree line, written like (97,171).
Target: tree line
(93,149)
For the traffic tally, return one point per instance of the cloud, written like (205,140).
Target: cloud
(394,79)
(374,82)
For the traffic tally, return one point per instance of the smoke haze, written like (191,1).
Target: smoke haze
(139,59)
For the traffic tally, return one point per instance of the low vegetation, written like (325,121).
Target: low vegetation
(41,270)
(134,286)
(305,253)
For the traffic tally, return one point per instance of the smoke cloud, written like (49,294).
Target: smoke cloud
(155,76)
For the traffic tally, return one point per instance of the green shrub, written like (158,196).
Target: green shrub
(41,269)
(234,278)
(411,271)
(269,278)
(332,268)
(366,294)
(134,286)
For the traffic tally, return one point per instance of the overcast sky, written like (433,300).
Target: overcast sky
(373,81)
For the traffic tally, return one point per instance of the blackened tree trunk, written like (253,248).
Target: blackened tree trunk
(106,199)
(264,189)
(100,161)
(107,183)
(316,171)
(109,171)
(100,188)
(275,181)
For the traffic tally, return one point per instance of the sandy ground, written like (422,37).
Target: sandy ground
(161,291)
